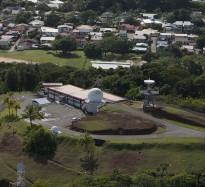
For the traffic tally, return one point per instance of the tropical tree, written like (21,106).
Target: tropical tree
(32,113)
(16,105)
(40,142)
(92,50)
(86,141)
(9,101)
(66,44)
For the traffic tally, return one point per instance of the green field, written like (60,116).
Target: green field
(75,59)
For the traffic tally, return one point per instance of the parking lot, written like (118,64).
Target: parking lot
(54,114)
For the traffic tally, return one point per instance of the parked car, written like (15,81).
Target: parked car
(74,119)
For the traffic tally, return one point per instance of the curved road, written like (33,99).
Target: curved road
(171,129)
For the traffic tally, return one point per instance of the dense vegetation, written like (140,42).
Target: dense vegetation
(175,74)
(158,177)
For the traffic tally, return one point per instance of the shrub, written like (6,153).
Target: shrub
(39,142)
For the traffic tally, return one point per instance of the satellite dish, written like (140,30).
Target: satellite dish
(20,167)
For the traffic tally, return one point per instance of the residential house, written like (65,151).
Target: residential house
(81,40)
(179,26)
(55,4)
(26,44)
(150,21)
(169,27)
(139,39)
(165,36)
(196,14)
(140,47)
(21,28)
(96,36)
(63,28)
(108,30)
(84,29)
(36,23)
(123,33)
(107,17)
(181,39)
(33,1)
(11,25)
(49,31)
(47,40)
(188,27)
(187,48)
(128,27)
(147,15)
(14,34)
(5,42)
(148,32)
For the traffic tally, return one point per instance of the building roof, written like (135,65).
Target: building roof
(82,94)
(41,101)
(110,64)
(47,38)
(53,84)
(48,29)
(107,15)
(84,27)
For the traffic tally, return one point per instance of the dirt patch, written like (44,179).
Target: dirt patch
(10,143)
(117,123)
(10,60)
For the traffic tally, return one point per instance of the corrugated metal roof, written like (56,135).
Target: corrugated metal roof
(41,101)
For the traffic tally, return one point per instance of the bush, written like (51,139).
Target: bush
(197,105)
(39,142)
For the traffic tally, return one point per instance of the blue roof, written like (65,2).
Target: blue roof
(41,101)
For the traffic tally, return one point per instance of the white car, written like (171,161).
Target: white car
(75,119)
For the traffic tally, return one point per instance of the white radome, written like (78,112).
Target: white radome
(54,130)
(95,95)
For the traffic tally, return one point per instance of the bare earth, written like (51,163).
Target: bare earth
(10,60)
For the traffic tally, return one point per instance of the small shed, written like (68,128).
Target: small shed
(40,102)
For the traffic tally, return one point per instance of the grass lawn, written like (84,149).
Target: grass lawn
(184,154)
(75,59)
(96,125)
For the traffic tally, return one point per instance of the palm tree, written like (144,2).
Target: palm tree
(8,101)
(86,141)
(16,105)
(32,113)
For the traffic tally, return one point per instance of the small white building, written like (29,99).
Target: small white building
(181,39)
(49,31)
(63,28)
(47,40)
(148,15)
(110,64)
(5,42)
(36,23)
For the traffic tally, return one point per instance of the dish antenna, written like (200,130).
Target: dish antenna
(20,175)
(149,93)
